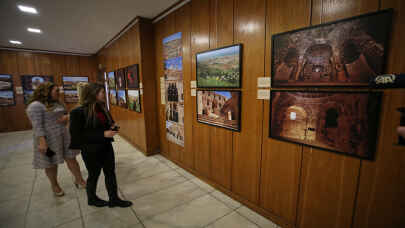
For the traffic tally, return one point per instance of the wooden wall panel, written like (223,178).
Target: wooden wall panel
(159,35)
(328,189)
(13,118)
(249,30)
(200,28)
(221,140)
(182,19)
(328,177)
(381,201)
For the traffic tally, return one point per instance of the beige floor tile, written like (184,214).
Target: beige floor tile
(233,220)
(256,218)
(48,200)
(197,213)
(141,170)
(155,183)
(77,223)
(111,218)
(19,191)
(164,200)
(185,173)
(13,208)
(53,216)
(12,222)
(203,185)
(228,201)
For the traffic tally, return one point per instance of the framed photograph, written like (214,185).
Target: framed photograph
(134,100)
(172,47)
(220,68)
(27,95)
(71,96)
(401,139)
(6,82)
(120,79)
(173,69)
(70,82)
(343,122)
(7,98)
(113,97)
(349,52)
(31,82)
(219,108)
(122,98)
(132,76)
(111,80)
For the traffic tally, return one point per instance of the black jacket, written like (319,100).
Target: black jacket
(82,135)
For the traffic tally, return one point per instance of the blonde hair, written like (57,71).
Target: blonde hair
(81,90)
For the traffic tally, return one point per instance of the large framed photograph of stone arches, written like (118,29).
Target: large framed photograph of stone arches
(349,52)
(343,122)
(219,108)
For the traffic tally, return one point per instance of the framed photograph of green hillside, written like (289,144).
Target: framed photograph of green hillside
(220,68)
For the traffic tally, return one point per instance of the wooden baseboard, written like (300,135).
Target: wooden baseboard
(268,214)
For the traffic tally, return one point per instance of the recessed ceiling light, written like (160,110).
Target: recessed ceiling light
(28,9)
(15,42)
(34,30)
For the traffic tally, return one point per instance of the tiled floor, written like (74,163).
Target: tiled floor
(164,195)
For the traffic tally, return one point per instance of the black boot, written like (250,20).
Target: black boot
(117,202)
(97,202)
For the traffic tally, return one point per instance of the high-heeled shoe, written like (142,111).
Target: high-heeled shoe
(80,186)
(59,194)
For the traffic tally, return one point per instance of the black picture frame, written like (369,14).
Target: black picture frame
(120,79)
(372,120)
(2,100)
(239,105)
(119,97)
(26,80)
(111,83)
(378,26)
(132,82)
(240,59)
(140,103)
(3,85)
(73,87)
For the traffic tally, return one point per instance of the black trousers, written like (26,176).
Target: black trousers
(99,157)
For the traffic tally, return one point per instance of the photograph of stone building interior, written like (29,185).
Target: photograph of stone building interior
(184,161)
(342,122)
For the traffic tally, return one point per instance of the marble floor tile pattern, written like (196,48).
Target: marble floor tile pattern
(164,194)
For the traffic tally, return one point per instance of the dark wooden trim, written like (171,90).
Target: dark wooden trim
(43,51)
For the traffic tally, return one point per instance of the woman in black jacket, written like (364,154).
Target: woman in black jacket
(92,130)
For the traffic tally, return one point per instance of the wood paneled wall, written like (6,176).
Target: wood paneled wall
(295,186)
(136,46)
(13,118)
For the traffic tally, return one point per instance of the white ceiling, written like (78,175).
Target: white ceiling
(77,26)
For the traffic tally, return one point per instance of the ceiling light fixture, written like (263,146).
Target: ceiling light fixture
(34,30)
(28,9)
(15,42)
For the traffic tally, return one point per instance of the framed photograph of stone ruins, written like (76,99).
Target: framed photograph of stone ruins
(219,108)
(343,122)
(348,52)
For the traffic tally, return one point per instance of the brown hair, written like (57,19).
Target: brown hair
(43,94)
(89,99)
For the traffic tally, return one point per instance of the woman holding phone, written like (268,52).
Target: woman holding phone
(51,137)
(92,129)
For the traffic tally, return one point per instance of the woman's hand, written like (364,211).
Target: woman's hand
(63,119)
(109,134)
(43,146)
